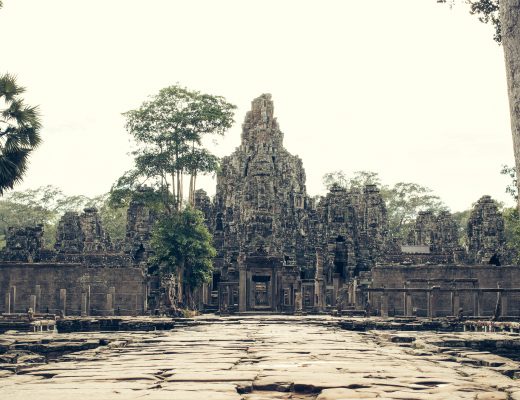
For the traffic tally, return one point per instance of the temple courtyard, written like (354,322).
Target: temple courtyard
(267,357)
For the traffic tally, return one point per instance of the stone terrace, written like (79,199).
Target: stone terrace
(264,358)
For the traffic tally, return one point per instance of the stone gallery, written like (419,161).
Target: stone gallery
(279,250)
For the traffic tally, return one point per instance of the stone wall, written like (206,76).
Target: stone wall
(72,288)
(475,288)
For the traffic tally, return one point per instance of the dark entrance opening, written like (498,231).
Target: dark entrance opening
(340,256)
(261,286)
(495,260)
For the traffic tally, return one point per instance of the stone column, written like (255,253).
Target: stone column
(84,304)
(505,304)
(112,291)
(7,308)
(144,308)
(12,292)
(32,302)
(63,301)
(335,285)
(429,302)
(38,293)
(434,299)
(384,305)
(408,303)
(242,289)
(88,300)
(476,303)
(455,302)
(109,308)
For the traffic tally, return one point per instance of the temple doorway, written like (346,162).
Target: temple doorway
(261,292)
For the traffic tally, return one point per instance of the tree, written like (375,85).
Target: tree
(182,246)
(404,201)
(46,204)
(19,133)
(512,217)
(359,180)
(512,188)
(169,131)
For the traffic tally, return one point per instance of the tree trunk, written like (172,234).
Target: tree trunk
(191,198)
(179,192)
(510,23)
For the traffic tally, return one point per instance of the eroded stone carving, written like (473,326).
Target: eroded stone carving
(486,232)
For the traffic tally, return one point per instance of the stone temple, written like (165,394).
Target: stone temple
(279,250)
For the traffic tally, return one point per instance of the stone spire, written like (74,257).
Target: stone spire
(260,127)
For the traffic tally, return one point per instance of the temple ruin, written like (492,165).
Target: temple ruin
(279,250)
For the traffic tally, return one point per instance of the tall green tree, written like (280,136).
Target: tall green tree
(169,130)
(404,201)
(183,246)
(19,132)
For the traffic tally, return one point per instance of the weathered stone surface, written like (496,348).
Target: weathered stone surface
(81,233)
(438,232)
(261,358)
(23,244)
(139,224)
(486,232)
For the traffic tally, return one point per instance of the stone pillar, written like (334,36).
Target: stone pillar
(384,305)
(109,308)
(429,298)
(7,309)
(38,293)
(84,304)
(335,285)
(408,304)
(32,302)
(88,300)
(12,292)
(505,304)
(205,291)
(63,301)
(144,308)
(455,302)
(434,299)
(112,291)
(476,304)
(242,289)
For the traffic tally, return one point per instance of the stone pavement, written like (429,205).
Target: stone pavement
(258,358)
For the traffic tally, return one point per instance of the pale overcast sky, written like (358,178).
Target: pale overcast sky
(407,88)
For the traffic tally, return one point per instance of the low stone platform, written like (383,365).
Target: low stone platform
(96,324)
(22,322)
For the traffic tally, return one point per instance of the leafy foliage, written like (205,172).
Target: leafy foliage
(181,240)
(168,131)
(404,201)
(462,218)
(512,232)
(45,205)
(511,189)
(19,132)
(359,180)
(487,12)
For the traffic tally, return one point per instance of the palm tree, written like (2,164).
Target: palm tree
(19,132)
